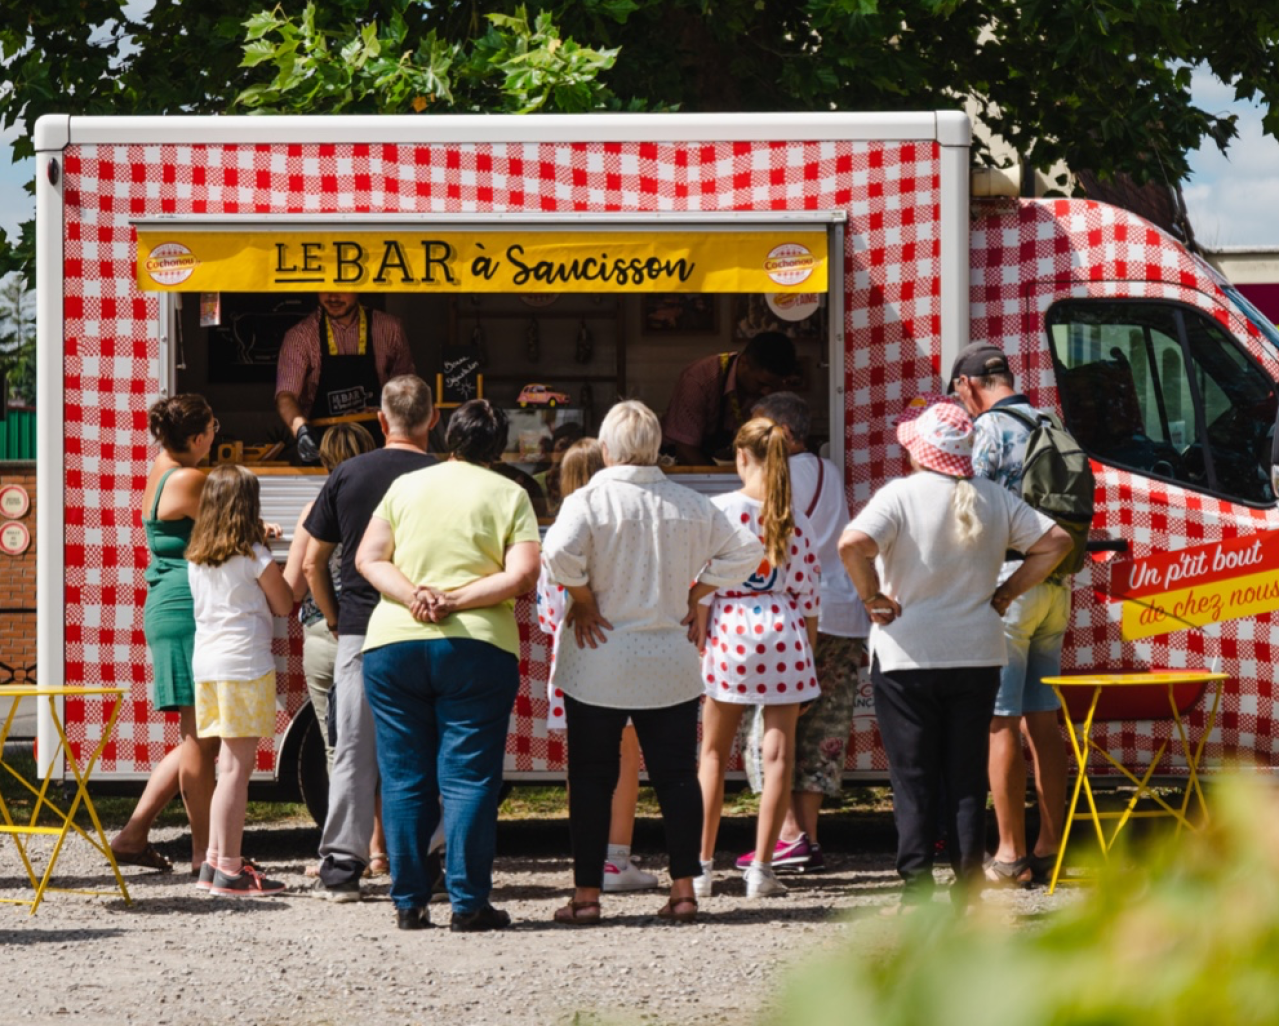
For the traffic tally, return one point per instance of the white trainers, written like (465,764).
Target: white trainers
(762,882)
(702,884)
(626,876)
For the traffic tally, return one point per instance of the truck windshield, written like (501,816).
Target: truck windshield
(1258,319)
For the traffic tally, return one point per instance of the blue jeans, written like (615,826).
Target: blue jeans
(442,710)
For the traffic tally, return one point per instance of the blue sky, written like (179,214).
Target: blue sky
(1233,199)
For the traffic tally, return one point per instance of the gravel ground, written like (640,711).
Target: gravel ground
(178,956)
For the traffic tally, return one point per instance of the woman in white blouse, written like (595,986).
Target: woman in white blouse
(626,547)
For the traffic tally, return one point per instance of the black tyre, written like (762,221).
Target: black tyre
(313,771)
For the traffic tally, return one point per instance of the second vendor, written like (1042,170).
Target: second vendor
(714,397)
(334,363)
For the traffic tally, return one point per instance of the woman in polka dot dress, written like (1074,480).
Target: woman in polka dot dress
(580,463)
(757,641)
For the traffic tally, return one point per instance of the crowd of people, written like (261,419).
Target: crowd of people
(750,612)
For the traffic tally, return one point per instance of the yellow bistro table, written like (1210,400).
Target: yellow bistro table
(1091,687)
(82,774)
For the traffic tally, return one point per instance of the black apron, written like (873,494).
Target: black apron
(348,383)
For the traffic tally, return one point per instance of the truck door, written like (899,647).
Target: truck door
(1178,417)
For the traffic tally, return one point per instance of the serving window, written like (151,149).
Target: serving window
(553,323)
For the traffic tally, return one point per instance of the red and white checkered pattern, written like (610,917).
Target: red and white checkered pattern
(111,345)
(891,192)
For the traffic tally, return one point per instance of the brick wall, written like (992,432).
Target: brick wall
(18,589)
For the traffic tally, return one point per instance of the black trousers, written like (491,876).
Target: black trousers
(935,725)
(668,739)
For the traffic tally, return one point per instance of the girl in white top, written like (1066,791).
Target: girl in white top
(757,640)
(580,463)
(236,586)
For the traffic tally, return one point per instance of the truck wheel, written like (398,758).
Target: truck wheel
(313,772)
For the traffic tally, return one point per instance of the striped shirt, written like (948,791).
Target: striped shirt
(298,370)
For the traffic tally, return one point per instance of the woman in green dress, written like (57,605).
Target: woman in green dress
(185,427)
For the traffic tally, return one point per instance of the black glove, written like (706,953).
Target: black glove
(308,447)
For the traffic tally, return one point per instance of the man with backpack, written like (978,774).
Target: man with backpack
(1009,434)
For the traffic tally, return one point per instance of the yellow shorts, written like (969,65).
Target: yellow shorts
(235,708)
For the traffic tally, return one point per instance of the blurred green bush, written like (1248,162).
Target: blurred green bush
(1190,936)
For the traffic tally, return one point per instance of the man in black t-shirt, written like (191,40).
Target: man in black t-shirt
(341,512)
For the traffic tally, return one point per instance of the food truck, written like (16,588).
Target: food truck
(594,257)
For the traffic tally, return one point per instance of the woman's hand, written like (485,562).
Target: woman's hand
(588,625)
(430,605)
(1001,600)
(882,609)
(271,531)
(697,619)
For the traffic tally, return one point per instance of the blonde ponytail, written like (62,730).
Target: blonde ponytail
(963,502)
(768,443)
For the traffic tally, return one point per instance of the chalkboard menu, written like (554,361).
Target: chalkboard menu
(460,379)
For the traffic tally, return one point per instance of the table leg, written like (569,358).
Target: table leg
(81,794)
(1192,757)
(1081,781)
(4,807)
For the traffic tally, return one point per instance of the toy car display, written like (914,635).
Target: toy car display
(540,395)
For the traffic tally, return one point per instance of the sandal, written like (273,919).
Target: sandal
(672,912)
(1008,874)
(578,913)
(1041,868)
(147,858)
(379,864)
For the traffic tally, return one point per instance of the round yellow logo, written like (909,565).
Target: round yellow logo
(171,263)
(790,263)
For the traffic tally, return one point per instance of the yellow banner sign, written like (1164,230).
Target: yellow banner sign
(1231,599)
(194,260)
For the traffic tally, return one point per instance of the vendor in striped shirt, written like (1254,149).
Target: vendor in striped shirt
(335,362)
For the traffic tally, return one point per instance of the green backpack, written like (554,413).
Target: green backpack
(1057,481)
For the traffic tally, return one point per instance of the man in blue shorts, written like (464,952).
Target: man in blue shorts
(1034,626)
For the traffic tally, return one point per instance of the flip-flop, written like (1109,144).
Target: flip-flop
(147,858)
(1008,874)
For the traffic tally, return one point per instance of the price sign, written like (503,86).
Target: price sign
(14,501)
(15,539)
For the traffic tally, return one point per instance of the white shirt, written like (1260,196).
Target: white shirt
(233,624)
(944,586)
(639,541)
(842,613)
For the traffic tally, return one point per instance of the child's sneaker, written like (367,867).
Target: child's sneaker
(248,883)
(702,884)
(762,882)
(626,876)
(797,856)
(205,880)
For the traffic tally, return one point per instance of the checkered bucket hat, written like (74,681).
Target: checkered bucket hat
(938,433)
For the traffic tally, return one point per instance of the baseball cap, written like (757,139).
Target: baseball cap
(976,361)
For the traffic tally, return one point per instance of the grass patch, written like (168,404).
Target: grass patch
(113,811)
(550,801)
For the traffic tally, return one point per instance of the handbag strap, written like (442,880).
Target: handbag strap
(821,479)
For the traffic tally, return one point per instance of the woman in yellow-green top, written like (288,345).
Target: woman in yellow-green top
(449,548)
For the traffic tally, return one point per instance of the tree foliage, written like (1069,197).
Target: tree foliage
(1103,84)
(18,339)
